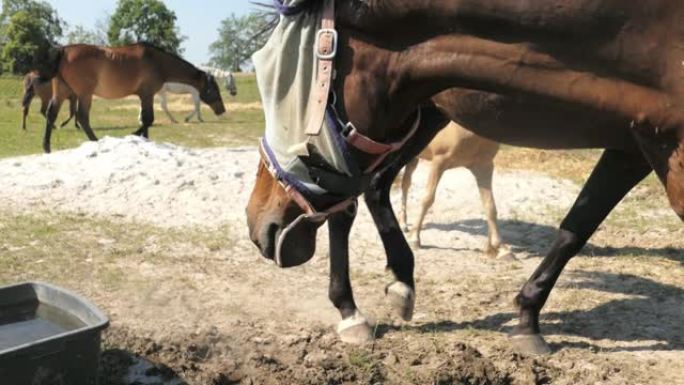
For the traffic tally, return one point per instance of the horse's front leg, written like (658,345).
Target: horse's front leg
(401,292)
(354,327)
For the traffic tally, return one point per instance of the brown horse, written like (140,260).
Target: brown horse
(35,85)
(541,73)
(113,73)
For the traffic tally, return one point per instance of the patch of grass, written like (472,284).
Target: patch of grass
(69,248)
(241,125)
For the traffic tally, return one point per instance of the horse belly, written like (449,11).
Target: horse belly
(117,81)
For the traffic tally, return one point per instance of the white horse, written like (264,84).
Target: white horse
(184,89)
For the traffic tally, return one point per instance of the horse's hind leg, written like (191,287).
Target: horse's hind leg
(72,111)
(83,116)
(50,116)
(354,327)
(405,187)
(483,175)
(616,173)
(146,115)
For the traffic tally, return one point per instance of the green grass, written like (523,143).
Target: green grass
(69,248)
(242,125)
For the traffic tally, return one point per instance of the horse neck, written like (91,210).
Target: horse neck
(176,70)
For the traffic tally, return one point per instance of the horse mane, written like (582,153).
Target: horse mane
(153,46)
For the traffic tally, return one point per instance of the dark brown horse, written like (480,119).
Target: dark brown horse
(113,73)
(542,73)
(34,85)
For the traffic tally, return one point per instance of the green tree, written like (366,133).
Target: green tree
(144,20)
(27,30)
(81,35)
(51,25)
(239,38)
(25,43)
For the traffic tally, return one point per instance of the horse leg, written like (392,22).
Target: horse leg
(72,112)
(436,171)
(50,116)
(165,108)
(401,292)
(146,115)
(483,173)
(354,327)
(83,116)
(405,186)
(25,106)
(196,110)
(616,173)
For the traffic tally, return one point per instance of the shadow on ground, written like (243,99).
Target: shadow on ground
(535,239)
(652,314)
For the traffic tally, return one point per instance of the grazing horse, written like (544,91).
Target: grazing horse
(35,85)
(181,89)
(116,72)
(541,73)
(454,146)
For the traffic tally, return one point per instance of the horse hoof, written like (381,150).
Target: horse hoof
(530,344)
(506,255)
(355,330)
(402,299)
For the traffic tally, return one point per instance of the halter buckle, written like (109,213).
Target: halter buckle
(333,49)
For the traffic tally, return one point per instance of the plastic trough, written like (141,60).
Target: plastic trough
(48,335)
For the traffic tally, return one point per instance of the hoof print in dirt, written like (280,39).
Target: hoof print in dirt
(530,344)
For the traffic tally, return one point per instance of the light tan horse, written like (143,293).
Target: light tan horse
(113,73)
(454,146)
(34,85)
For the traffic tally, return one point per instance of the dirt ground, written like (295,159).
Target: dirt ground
(185,311)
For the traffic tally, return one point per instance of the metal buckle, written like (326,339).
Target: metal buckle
(317,46)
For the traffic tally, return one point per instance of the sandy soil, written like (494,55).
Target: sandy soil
(230,317)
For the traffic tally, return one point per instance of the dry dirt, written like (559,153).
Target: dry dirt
(227,316)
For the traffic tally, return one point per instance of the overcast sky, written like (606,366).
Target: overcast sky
(198,19)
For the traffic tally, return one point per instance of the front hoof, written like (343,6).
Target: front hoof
(530,344)
(355,330)
(402,299)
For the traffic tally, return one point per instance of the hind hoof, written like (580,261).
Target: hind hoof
(506,255)
(355,330)
(530,344)
(402,299)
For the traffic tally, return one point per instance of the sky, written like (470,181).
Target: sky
(198,20)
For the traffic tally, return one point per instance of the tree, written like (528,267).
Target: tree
(52,26)
(81,35)
(27,29)
(144,20)
(239,38)
(25,43)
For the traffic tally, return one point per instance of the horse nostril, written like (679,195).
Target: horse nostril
(271,232)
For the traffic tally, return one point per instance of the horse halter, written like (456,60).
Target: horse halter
(322,107)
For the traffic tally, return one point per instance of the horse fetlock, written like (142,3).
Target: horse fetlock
(402,299)
(355,329)
(414,238)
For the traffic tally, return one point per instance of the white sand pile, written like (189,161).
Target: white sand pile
(172,186)
(134,178)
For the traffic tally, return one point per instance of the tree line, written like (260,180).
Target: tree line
(29,28)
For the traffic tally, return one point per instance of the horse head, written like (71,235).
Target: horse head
(210,94)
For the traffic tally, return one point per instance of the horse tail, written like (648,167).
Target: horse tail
(29,91)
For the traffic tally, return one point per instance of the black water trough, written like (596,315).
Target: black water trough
(48,335)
